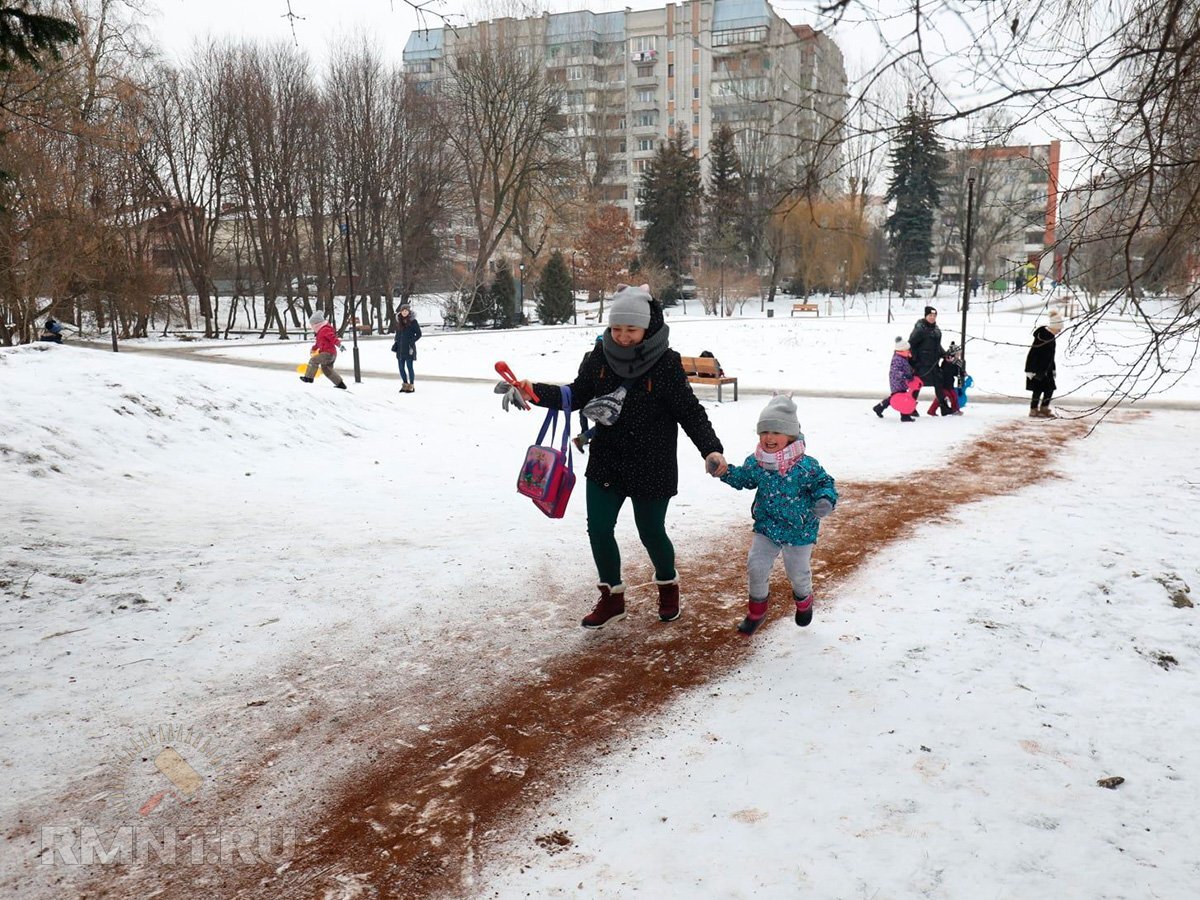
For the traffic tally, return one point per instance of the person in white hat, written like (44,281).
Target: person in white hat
(633,386)
(1039,366)
(324,352)
(793,494)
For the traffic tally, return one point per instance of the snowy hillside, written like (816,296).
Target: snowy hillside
(226,548)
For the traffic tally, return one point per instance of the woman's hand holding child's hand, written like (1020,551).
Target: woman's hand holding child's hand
(715,465)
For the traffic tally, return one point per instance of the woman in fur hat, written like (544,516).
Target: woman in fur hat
(1039,366)
(642,398)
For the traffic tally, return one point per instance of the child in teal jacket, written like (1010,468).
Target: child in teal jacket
(794,494)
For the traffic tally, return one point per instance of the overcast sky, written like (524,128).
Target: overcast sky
(319,24)
(181,22)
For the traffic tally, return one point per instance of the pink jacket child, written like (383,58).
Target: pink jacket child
(324,352)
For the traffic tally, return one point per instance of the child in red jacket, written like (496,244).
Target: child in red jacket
(324,351)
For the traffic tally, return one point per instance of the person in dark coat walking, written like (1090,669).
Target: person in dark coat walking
(950,372)
(408,332)
(644,397)
(1039,366)
(927,352)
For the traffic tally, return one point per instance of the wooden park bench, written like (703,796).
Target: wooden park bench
(704,370)
(806,308)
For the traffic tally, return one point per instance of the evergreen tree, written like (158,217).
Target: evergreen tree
(725,198)
(918,167)
(25,36)
(670,192)
(556,303)
(725,211)
(482,307)
(504,296)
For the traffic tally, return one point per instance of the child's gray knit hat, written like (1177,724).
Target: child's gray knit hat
(779,416)
(316,318)
(630,306)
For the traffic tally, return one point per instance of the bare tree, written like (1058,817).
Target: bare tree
(503,124)
(272,90)
(189,124)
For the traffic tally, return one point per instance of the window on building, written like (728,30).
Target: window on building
(645,71)
(739,36)
(645,144)
(574,73)
(670,70)
(646,95)
(645,119)
(645,42)
(695,93)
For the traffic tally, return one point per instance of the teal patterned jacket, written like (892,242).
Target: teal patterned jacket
(782,509)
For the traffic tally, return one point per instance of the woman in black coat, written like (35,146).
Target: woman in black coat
(408,332)
(1039,366)
(634,456)
(925,342)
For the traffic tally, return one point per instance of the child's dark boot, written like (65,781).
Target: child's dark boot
(754,617)
(610,608)
(907,418)
(804,610)
(668,600)
(878,409)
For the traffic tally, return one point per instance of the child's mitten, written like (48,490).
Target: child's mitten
(822,508)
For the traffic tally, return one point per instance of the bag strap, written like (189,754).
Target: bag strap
(551,423)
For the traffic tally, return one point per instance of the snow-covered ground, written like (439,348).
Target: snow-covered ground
(845,351)
(177,533)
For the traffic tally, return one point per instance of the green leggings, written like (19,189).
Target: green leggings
(603,507)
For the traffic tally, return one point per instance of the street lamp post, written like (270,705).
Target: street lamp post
(353,304)
(966,300)
(521,295)
(574,296)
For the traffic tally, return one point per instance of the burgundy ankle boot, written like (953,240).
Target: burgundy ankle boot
(610,607)
(668,600)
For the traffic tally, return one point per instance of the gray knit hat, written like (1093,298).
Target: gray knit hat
(779,416)
(630,306)
(316,318)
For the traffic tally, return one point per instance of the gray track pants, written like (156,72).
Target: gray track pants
(796,562)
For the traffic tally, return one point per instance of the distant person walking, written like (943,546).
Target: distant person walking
(408,332)
(927,352)
(1039,366)
(900,373)
(324,352)
(950,372)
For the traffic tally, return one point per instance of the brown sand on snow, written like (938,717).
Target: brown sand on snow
(417,821)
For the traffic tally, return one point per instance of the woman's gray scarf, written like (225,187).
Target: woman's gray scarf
(635,361)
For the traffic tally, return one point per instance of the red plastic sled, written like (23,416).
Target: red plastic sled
(903,403)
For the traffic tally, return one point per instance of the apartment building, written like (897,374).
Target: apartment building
(630,78)
(1018,210)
